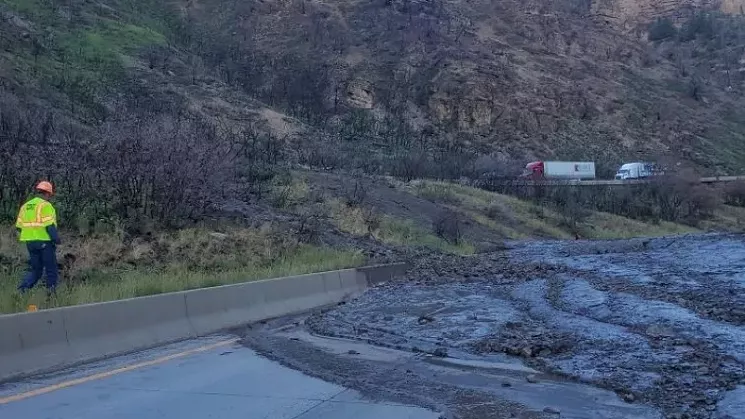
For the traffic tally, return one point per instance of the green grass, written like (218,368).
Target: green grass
(90,59)
(514,218)
(100,48)
(726,218)
(601,225)
(85,52)
(138,283)
(405,232)
(510,216)
(439,192)
(42,11)
(391,230)
(290,192)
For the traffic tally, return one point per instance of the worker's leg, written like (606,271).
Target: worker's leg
(49,255)
(35,267)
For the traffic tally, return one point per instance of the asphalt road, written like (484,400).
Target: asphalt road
(205,378)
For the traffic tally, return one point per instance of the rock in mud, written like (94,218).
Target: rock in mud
(440,352)
(552,411)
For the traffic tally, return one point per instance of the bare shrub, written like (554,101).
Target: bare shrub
(310,224)
(355,195)
(409,166)
(323,158)
(734,193)
(669,195)
(494,212)
(372,219)
(139,167)
(701,202)
(488,168)
(165,168)
(447,226)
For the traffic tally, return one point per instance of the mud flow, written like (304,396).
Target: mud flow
(624,329)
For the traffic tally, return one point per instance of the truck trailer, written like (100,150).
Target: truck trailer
(560,170)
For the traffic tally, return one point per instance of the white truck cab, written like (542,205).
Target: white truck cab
(636,170)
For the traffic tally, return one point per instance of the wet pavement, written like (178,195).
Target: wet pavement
(225,382)
(656,322)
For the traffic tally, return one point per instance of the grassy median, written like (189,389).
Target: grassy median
(106,268)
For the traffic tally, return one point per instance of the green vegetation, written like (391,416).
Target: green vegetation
(289,191)
(84,52)
(518,219)
(405,232)
(390,230)
(601,225)
(108,269)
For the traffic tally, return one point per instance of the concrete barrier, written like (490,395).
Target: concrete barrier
(28,340)
(46,340)
(379,274)
(95,330)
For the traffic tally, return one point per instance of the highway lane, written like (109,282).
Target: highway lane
(490,184)
(214,377)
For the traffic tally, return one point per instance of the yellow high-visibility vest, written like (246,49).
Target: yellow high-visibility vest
(34,218)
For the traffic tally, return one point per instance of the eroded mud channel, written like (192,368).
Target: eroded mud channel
(650,328)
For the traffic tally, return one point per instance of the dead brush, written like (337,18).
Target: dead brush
(373,220)
(447,226)
(355,195)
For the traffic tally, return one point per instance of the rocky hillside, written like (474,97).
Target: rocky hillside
(565,79)
(402,87)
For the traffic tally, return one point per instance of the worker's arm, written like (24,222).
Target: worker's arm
(19,220)
(49,217)
(54,234)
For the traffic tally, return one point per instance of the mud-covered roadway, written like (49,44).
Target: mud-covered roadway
(643,328)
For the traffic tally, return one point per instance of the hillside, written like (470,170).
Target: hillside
(148,113)
(437,80)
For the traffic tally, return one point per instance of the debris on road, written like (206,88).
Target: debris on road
(641,328)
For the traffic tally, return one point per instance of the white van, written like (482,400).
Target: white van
(637,170)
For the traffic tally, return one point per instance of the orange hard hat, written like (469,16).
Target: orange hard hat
(45,186)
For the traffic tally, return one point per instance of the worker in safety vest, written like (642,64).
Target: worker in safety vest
(37,224)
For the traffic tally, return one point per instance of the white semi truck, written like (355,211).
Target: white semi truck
(636,170)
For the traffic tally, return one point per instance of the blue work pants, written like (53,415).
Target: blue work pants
(42,256)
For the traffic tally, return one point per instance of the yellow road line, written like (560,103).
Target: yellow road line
(105,374)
